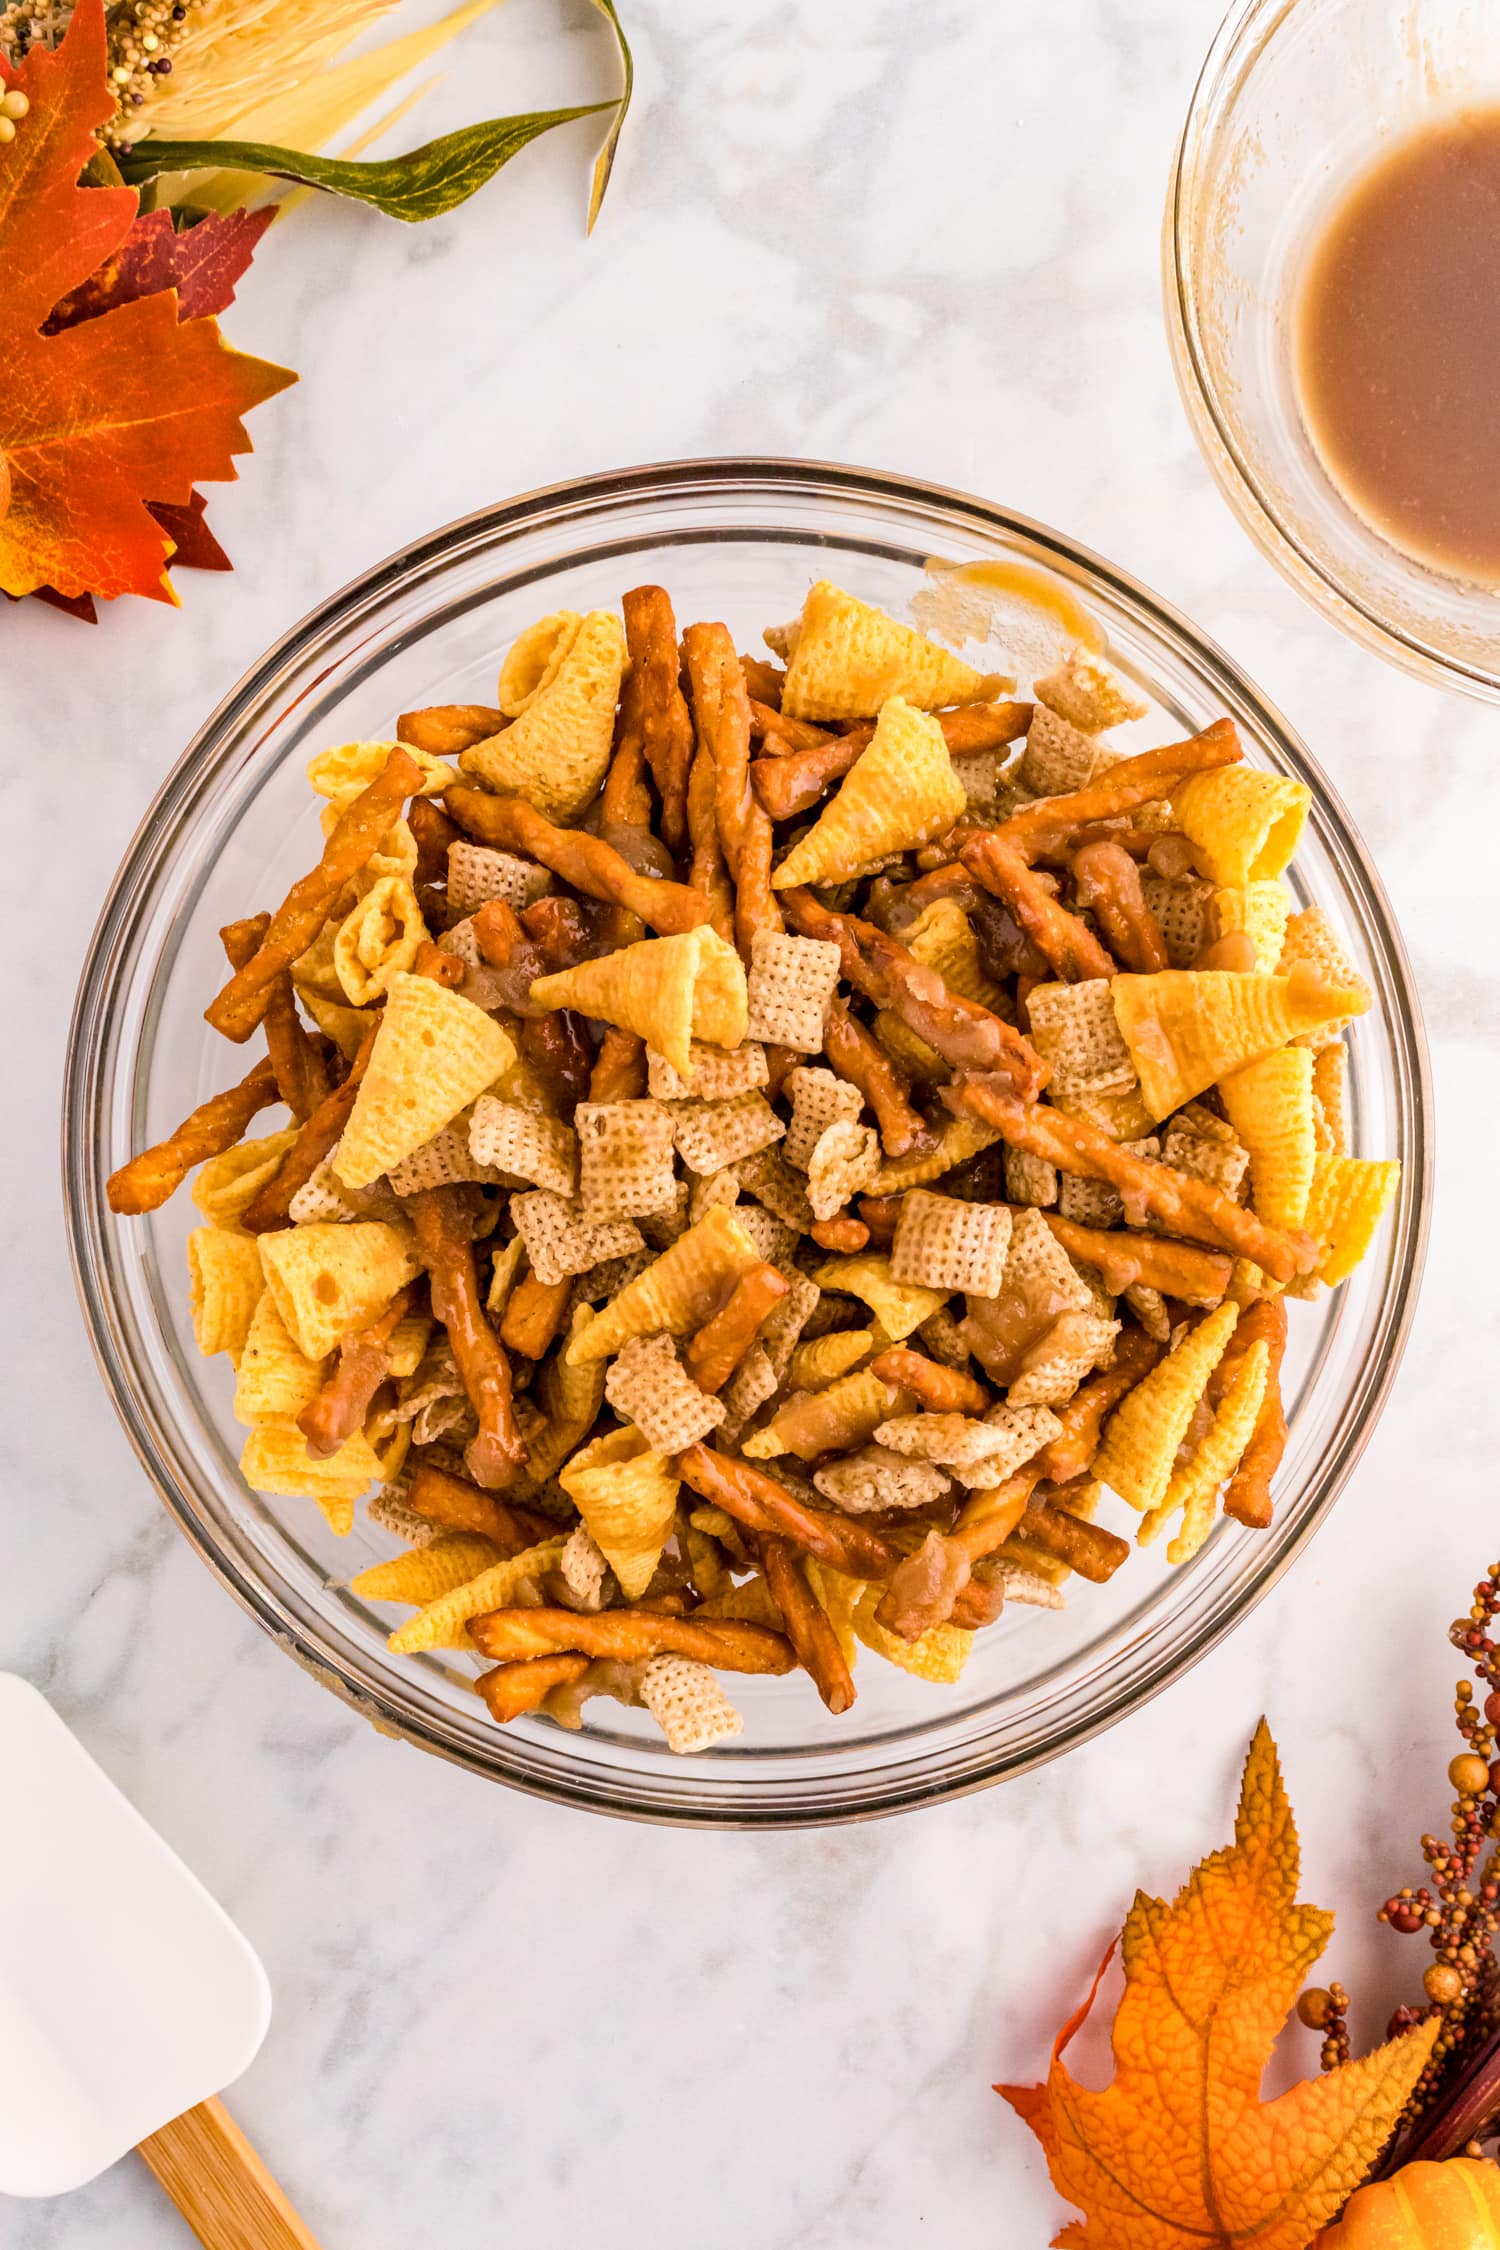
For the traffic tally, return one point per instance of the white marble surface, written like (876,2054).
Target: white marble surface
(923,239)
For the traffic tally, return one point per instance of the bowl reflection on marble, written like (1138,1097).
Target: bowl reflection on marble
(1293,103)
(740,541)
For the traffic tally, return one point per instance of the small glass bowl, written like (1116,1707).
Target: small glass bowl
(233,825)
(1295,99)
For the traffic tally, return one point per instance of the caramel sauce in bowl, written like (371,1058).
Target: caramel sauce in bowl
(1326,143)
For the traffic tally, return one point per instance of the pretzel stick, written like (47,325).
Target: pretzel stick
(619,1072)
(779,735)
(1247,1496)
(296,1056)
(1095,1553)
(942,1390)
(1070,1454)
(708,877)
(1178,1202)
(271,1206)
(717,1348)
(926,1585)
(434,835)
(764,681)
(145,1183)
(443,729)
(756,906)
(754,1499)
(882,1215)
(626,802)
(358,832)
(534,1315)
(583,861)
(458,1505)
(631,1634)
(1134,781)
(791,784)
(979,1603)
(721,713)
(854,1054)
(495,1454)
(1108,883)
(1070,945)
(511,1690)
(964,1034)
(808,1626)
(665,726)
(1177,1269)
(364,1362)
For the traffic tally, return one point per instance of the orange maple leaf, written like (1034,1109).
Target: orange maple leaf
(131,407)
(1179,2152)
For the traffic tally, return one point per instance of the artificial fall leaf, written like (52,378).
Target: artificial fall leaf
(201,262)
(122,409)
(1179,2152)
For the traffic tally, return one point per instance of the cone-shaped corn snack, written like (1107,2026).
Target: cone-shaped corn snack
(1270,1105)
(627,1496)
(1140,1443)
(677,1292)
(562,678)
(849,658)
(1188,1028)
(433,1053)
(670,990)
(1244,822)
(899,793)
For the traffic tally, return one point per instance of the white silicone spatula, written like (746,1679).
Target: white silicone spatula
(127,1997)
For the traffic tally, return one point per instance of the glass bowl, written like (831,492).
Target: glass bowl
(1295,99)
(233,826)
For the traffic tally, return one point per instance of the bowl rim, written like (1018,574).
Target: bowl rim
(87,1215)
(1257,22)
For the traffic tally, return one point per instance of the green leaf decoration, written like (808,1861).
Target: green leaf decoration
(605,162)
(420,185)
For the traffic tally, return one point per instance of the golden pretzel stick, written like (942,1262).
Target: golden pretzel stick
(458,1505)
(929,1583)
(631,1634)
(434,835)
(856,1055)
(1177,1269)
(964,1034)
(721,713)
(271,1207)
(1069,945)
(1134,781)
(1247,1497)
(1108,883)
(666,726)
(778,735)
(583,861)
(444,729)
(534,1315)
(708,875)
(717,1348)
(145,1183)
(808,1626)
(1070,1454)
(1095,1553)
(297,1057)
(619,1072)
(762,680)
(757,1500)
(512,1690)
(364,1362)
(1180,1203)
(446,1248)
(358,832)
(941,1390)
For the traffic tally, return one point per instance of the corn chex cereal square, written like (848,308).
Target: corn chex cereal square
(524,1144)
(953,1440)
(1216,1157)
(610,1276)
(585,1572)
(624,1158)
(1030,1179)
(791,982)
(648,1385)
(1037,1261)
(710,1135)
(819,1099)
(775,1242)
(1084,691)
(442,1162)
(1058,756)
(462,943)
(1024,1429)
(560,1242)
(752,1383)
(784,1324)
(845,1159)
(1312,941)
(716,1073)
(325,1199)
(476,874)
(772,1182)
(688,1704)
(1182,915)
(1073,1026)
(944,1244)
(722,1186)
(876,1478)
(1080,1342)
(664,1227)
(944,1339)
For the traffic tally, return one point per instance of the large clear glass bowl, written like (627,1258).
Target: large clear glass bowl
(1295,99)
(233,825)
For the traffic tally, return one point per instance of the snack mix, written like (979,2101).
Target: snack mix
(771,1147)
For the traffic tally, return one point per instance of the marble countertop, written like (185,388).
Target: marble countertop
(924,239)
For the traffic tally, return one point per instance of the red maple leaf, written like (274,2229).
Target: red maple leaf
(125,407)
(202,263)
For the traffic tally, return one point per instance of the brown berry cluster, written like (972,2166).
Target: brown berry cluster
(142,35)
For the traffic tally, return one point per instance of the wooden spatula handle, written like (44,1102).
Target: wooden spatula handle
(220,2185)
